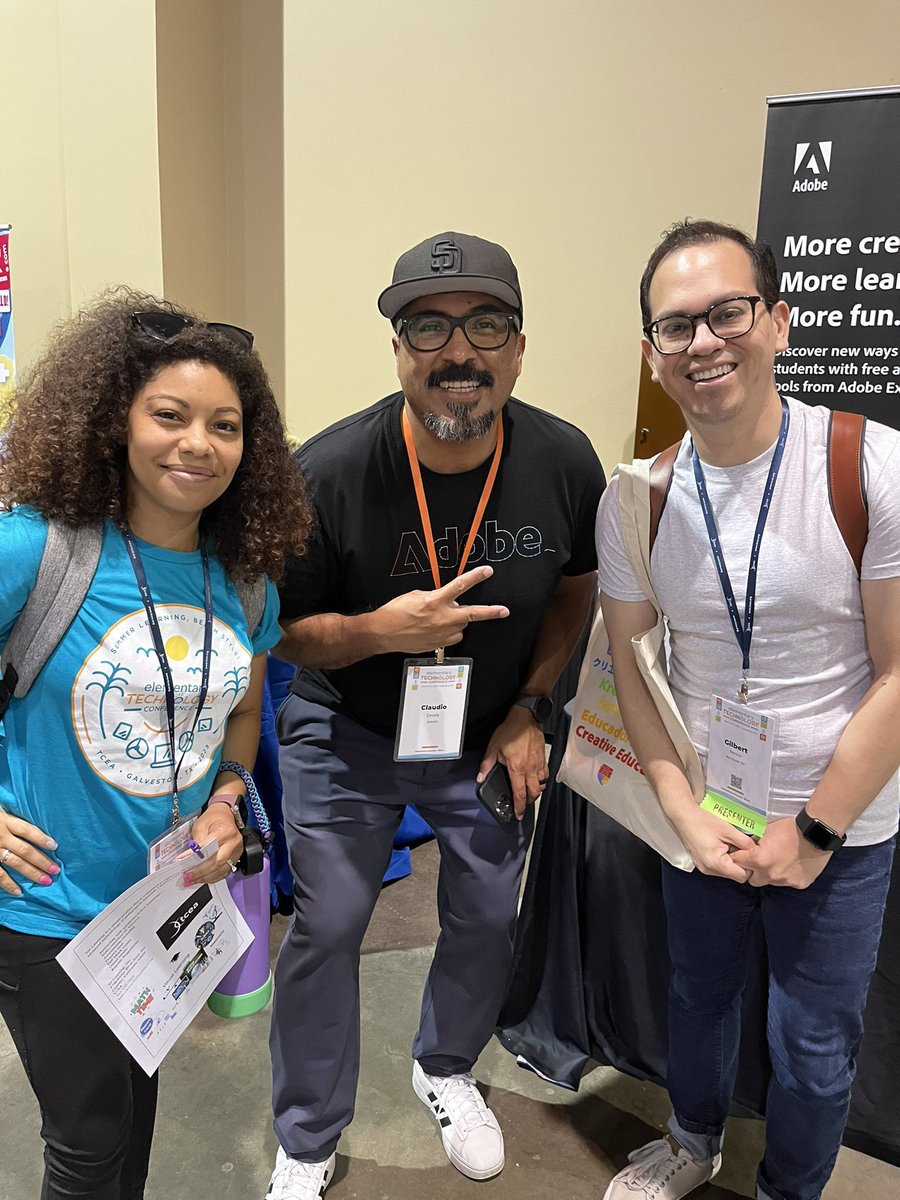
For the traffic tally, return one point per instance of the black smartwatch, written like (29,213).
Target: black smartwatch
(540,707)
(822,836)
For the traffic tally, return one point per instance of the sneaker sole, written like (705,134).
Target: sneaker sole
(420,1087)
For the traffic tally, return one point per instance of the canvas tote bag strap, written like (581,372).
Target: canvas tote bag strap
(634,520)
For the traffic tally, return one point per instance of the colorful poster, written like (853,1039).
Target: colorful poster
(7,347)
(828,208)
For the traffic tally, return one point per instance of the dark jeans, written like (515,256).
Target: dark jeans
(97,1105)
(344,797)
(822,943)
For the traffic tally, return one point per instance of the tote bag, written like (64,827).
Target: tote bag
(599,762)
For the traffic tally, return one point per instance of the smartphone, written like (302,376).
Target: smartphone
(495,793)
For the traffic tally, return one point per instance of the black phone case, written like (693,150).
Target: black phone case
(495,793)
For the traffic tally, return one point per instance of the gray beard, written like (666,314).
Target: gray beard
(461,426)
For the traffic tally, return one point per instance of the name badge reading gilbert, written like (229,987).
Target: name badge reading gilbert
(739,764)
(435,699)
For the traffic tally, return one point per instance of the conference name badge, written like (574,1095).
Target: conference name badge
(435,700)
(739,764)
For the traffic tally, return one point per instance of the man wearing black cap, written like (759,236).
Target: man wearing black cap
(453,518)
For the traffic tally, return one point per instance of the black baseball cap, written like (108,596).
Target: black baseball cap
(451,262)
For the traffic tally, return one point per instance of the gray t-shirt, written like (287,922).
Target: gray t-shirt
(808,660)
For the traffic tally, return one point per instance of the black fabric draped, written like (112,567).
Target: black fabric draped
(591,968)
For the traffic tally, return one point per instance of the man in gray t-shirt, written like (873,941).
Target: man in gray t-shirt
(767,617)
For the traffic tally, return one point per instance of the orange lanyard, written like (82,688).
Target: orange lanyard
(423,503)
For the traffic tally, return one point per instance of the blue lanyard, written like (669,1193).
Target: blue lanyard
(743,632)
(158,645)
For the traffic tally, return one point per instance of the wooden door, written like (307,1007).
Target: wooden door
(659,419)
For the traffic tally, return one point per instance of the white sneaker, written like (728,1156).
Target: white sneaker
(469,1131)
(658,1173)
(292,1180)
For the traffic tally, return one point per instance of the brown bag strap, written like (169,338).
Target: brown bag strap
(660,482)
(846,491)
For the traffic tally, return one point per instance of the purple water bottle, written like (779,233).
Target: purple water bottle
(247,987)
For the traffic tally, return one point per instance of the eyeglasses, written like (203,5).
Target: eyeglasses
(166,325)
(483,330)
(726,319)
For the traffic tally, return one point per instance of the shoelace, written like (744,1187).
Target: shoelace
(654,1163)
(462,1100)
(299,1176)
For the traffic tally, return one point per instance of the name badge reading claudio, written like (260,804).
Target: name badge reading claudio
(739,764)
(435,699)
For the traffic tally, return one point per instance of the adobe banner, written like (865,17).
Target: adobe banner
(829,209)
(7,348)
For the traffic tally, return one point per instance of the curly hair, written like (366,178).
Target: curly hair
(65,446)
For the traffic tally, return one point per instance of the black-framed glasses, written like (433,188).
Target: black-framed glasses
(726,319)
(483,330)
(165,325)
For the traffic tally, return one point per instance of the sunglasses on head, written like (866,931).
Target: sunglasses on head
(166,325)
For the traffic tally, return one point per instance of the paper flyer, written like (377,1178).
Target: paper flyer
(149,961)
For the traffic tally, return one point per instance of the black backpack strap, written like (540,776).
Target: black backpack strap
(67,567)
(846,482)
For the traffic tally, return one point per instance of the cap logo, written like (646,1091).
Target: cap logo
(446,258)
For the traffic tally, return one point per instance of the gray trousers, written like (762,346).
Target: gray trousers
(344,797)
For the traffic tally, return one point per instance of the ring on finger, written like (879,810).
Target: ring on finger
(231,866)
(4,856)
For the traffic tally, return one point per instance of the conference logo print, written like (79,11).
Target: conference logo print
(812,164)
(119,708)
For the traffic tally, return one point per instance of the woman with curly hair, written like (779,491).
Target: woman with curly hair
(161,431)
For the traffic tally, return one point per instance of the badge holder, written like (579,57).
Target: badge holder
(739,764)
(434,702)
(174,843)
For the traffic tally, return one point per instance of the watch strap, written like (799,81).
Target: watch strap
(540,707)
(820,835)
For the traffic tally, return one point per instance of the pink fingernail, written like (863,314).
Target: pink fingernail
(45,880)
(53,869)
(187,879)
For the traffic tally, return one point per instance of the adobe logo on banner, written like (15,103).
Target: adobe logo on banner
(811,160)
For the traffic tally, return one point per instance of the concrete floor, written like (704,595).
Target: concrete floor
(214,1138)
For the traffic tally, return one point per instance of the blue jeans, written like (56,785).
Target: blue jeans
(822,944)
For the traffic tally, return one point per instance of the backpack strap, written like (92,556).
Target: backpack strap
(660,482)
(67,567)
(846,486)
(252,595)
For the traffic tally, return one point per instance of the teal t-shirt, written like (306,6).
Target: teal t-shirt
(85,754)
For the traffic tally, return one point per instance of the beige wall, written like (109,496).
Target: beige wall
(78,175)
(220,105)
(268,167)
(548,126)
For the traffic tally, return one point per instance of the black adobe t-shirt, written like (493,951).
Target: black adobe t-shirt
(369,547)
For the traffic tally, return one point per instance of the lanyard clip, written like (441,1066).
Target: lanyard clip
(439,656)
(744,689)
